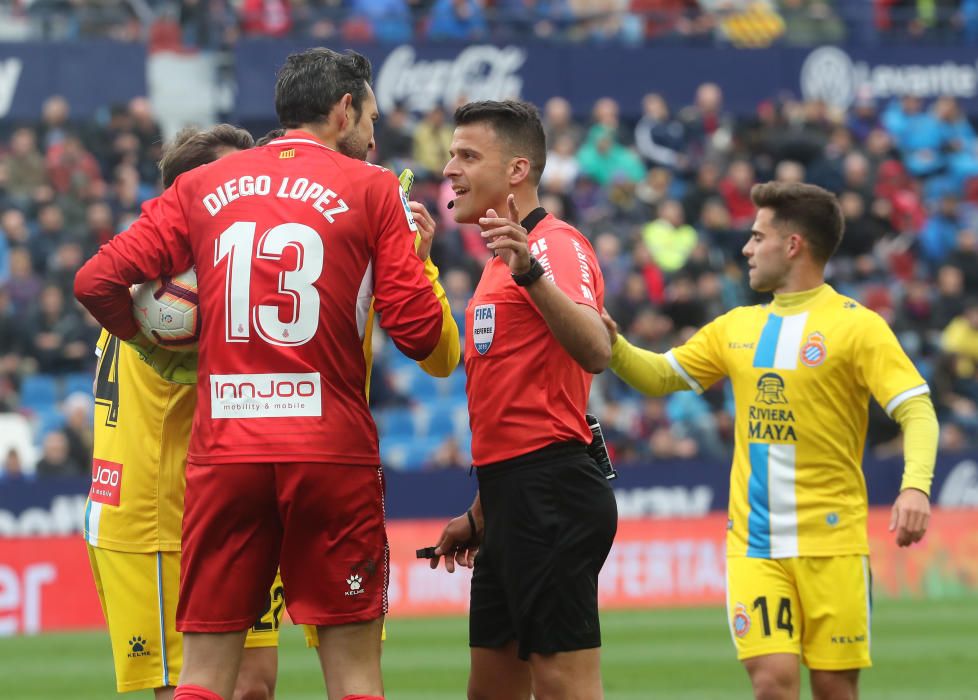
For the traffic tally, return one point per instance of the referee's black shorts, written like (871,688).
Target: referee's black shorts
(550,520)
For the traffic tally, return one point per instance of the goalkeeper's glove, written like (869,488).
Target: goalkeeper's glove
(176,367)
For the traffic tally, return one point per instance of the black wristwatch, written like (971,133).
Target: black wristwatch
(530,276)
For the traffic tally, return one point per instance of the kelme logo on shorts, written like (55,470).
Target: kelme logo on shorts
(483,327)
(138,647)
(355,582)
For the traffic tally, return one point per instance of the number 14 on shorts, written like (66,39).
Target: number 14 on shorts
(744,618)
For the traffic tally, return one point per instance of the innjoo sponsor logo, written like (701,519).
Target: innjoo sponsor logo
(266,395)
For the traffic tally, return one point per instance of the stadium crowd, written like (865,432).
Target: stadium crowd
(213,24)
(665,202)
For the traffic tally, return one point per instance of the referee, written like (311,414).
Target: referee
(545,515)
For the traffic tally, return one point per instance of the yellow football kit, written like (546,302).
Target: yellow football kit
(803,370)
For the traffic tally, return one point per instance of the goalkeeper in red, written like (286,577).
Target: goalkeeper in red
(291,243)
(803,370)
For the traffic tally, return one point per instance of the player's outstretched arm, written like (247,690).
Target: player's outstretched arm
(911,511)
(648,372)
(459,541)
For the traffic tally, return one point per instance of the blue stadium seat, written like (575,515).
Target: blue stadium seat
(447,417)
(396,423)
(48,420)
(393,452)
(78,382)
(420,451)
(39,392)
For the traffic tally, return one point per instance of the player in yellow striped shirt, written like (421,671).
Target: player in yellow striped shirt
(803,369)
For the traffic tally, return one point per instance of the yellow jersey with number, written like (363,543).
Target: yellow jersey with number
(802,374)
(142,428)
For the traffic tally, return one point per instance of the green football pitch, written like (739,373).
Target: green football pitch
(922,650)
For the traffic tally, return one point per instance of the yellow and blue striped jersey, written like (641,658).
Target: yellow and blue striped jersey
(803,371)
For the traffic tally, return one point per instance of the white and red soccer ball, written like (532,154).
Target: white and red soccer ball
(166,310)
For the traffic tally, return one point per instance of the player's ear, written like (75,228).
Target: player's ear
(796,244)
(519,170)
(344,111)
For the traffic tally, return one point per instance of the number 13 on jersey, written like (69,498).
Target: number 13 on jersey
(237,244)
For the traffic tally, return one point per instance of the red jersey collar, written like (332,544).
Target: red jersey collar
(298,136)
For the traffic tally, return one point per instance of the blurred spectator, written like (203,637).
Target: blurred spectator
(56,458)
(669,238)
(659,138)
(965,259)
(735,189)
(394,134)
(13,467)
(562,167)
(448,455)
(13,336)
(558,122)
(811,22)
(389,20)
(708,129)
(50,233)
(432,140)
(78,409)
(61,343)
(458,20)
(532,18)
(25,166)
(863,117)
(940,234)
(24,285)
(266,17)
(55,113)
(790,171)
(603,159)
(71,169)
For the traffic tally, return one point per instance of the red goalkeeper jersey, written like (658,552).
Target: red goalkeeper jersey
(290,241)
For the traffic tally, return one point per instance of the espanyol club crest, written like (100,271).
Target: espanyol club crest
(813,352)
(741,621)
(483,327)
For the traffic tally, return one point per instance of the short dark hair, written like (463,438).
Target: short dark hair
(815,211)
(192,147)
(312,81)
(269,137)
(515,122)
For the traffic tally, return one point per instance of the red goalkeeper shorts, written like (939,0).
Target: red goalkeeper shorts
(322,523)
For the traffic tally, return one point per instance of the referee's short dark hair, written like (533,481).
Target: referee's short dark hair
(192,147)
(517,123)
(815,212)
(312,81)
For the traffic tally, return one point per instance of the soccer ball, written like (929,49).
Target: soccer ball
(166,310)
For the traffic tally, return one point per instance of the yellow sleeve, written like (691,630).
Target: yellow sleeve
(918,422)
(883,365)
(444,358)
(649,372)
(700,360)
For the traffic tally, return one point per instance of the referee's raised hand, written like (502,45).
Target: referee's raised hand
(507,237)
